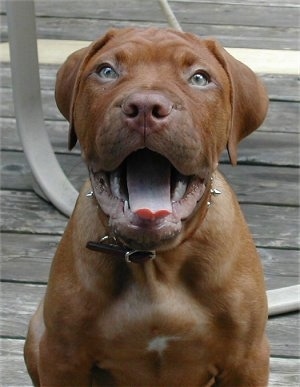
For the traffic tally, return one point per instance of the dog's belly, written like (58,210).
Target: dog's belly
(159,340)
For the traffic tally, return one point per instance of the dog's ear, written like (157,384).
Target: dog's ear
(249,99)
(65,82)
(68,80)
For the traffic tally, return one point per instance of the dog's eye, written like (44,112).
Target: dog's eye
(200,78)
(107,72)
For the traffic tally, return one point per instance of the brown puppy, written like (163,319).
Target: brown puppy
(153,110)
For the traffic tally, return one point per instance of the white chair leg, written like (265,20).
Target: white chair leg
(28,107)
(284,300)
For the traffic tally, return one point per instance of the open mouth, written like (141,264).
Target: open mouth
(146,198)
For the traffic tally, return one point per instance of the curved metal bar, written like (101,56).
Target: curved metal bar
(28,107)
(169,14)
(283,300)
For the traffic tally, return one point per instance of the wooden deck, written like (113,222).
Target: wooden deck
(266,181)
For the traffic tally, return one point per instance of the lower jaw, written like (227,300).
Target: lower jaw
(160,235)
(145,236)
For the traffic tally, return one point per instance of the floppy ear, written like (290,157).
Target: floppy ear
(68,80)
(65,82)
(249,100)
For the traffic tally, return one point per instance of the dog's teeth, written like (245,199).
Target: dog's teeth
(126,206)
(180,189)
(115,184)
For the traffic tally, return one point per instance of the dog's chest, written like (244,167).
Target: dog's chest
(162,333)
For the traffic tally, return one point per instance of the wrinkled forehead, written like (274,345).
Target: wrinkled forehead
(156,45)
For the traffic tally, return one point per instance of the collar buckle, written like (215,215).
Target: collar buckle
(139,256)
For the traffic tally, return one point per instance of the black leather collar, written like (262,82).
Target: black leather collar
(122,252)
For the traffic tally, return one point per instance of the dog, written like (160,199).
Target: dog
(156,280)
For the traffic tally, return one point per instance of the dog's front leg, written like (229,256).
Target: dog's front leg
(252,372)
(62,365)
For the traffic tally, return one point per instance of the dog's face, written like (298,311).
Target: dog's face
(153,110)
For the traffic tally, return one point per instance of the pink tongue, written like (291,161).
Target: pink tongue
(148,183)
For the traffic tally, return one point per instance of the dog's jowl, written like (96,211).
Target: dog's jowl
(156,281)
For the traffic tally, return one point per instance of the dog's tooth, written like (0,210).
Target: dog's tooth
(180,189)
(126,206)
(115,184)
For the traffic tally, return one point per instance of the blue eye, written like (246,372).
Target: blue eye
(107,72)
(200,79)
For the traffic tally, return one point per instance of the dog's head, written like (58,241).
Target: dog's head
(153,110)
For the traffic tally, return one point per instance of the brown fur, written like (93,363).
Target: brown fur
(104,321)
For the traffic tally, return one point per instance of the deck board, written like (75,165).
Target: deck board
(22,252)
(274,185)
(284,372)
(282,114)
(25,212)
(256,25)
(281,87)
(266,181)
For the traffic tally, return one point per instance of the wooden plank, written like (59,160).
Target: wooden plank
(50,111)
(284,333)
(184,3)
(13,369)
(271,226)
(22,252)
(243,14)
(263,184)
(284,372)
(237,36)
(281,117)
(271,3)
(281,267)
(16,173)
(20,302)
(260,61)
(268,61)
(260,29)
(26,212)
(280,87)
(261,148)
(260,184)
(57,131)
(268,148)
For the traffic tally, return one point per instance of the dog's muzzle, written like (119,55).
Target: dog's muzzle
(146,199)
